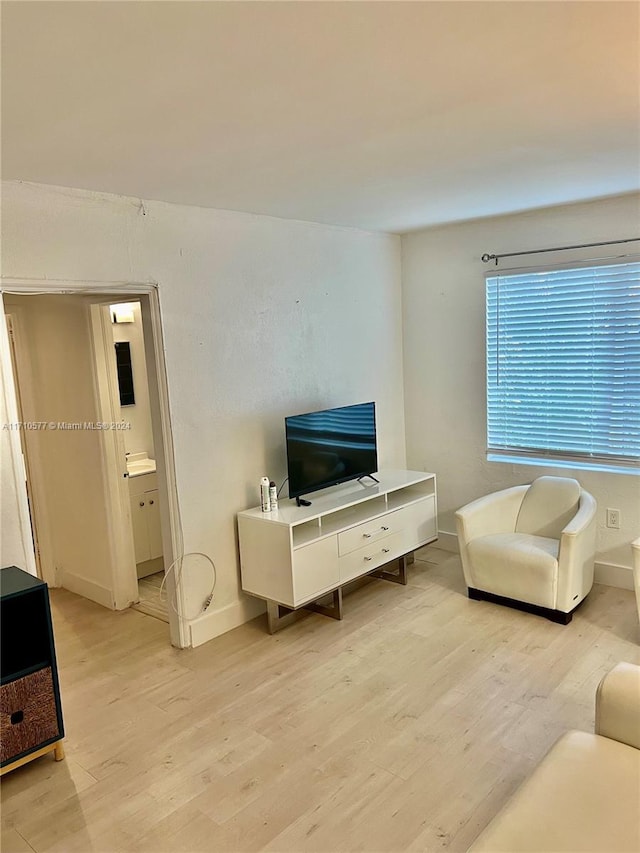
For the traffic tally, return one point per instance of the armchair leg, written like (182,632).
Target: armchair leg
(558,616)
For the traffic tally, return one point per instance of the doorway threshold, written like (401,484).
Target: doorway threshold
(150,602)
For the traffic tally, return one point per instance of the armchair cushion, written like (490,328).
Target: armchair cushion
(517,566)
(548,506)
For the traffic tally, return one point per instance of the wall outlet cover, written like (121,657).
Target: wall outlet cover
(613,518)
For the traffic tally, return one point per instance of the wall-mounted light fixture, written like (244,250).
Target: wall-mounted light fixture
(122,313)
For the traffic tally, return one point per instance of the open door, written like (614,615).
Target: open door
(22,434)
(16,540)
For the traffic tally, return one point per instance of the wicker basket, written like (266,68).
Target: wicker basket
(28,717)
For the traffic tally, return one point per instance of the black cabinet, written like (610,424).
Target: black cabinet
(30,708)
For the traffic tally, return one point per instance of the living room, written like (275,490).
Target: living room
(265,315)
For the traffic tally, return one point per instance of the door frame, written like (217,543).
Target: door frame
(119,521)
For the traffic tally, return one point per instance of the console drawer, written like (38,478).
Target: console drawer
(370,531)
(371,557)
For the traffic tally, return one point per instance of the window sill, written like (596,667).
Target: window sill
(553,462)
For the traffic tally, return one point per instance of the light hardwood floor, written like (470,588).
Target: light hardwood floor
(404,727)
(151,602)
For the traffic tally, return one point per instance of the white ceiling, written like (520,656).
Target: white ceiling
(380,115)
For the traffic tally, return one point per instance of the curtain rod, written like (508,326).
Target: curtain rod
(487,257)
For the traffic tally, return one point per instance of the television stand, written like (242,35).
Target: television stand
(369,476)
(297,555)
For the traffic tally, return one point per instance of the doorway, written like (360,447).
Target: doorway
(79,493)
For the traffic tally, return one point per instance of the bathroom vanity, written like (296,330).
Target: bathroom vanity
(145,514)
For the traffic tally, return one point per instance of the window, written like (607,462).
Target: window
(563,366)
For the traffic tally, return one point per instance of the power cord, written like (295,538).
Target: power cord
(179,561)
(282,485)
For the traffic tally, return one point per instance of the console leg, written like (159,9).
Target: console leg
(279,616)
(58,752)
(277,619)
(400,576)
(334,611)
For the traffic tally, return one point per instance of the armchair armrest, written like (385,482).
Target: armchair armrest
(581,519)
(635,568)
(576,555)
(618,705)
(494,513)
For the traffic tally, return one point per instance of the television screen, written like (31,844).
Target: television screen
(329,447)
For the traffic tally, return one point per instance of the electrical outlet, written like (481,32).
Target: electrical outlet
(613,518)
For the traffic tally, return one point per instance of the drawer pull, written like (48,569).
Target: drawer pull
(368,559)
(384,528)
(385,550)
(17,717)
(367,535)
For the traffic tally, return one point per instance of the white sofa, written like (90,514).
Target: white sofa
(585,795)
(531,547)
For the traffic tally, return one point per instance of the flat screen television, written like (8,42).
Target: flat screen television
(330,447)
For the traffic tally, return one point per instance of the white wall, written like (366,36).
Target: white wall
(262,318)
(139,438)
(444,354)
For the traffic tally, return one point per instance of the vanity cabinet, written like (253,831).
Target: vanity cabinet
(145,517)
(296,555)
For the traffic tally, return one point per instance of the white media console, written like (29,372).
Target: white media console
(296,555)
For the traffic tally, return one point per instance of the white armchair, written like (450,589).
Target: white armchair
(635,550)
(531,547)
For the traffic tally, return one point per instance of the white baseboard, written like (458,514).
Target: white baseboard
(610,574)
(447,541)
(217,622)
(87,589)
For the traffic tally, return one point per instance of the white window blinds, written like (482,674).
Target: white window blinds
(563,365)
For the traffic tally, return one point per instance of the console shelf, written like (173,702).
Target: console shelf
(296,555)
